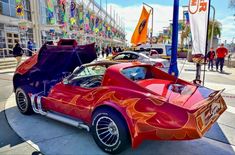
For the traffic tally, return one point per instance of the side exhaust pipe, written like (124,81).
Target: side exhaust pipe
(37,108)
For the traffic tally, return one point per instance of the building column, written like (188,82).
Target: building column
(35,6)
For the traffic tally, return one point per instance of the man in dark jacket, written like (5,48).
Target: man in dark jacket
(18,52)
(210,58)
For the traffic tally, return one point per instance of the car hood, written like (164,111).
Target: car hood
(187,96)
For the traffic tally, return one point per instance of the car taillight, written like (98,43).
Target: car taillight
(158,65)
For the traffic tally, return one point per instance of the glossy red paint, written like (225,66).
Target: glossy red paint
(161,107)
(151,109)
(29,63)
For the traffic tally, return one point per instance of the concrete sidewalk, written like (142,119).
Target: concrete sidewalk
(51,137)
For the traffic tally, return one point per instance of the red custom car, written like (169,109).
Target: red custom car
(121,104)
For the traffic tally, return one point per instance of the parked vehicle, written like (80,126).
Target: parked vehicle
(144,57)
(162,49)
(121,104)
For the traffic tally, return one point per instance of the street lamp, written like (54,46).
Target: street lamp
(213,25)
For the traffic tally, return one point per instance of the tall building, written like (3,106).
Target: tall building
(9,22)
(45,20)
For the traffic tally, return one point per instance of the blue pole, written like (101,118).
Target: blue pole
(173,70)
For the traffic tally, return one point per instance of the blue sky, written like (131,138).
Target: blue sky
(130,10)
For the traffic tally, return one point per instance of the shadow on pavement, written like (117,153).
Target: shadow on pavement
(226,73)
(7,135)
(217,134)
(53,137)
(194,70)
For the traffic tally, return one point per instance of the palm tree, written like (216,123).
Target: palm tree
(232,4)
(217,29)
(186,31)
(184,34)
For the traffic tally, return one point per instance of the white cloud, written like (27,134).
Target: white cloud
(162,16)
(131,14)
(228,28)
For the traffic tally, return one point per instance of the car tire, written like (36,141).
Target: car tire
(23,100)
(110,131)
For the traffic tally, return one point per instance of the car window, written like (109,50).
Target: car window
(120,57)
(87,77)
(159,50)
(135,73)
(126,56)
(133,56)
(92,70)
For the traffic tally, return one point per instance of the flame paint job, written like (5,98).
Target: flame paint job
(151,109)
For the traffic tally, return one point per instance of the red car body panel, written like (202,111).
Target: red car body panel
(162,115)
(28,64)
(161,107)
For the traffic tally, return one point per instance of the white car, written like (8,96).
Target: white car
(143,57)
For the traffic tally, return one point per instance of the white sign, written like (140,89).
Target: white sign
(198,16)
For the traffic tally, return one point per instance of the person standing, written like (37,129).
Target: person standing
(221,52)
(18,52)
(97,51)
(30,48)
(107,51)
(210,58)
(102,52)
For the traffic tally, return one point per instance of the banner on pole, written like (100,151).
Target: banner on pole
(140,33)
(198,16)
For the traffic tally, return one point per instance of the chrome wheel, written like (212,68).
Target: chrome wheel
(107,131)
(22,101)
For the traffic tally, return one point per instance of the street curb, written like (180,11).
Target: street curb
(27,141)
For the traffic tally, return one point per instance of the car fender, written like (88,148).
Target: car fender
(131,126)
(123,101)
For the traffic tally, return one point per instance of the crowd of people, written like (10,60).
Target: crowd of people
(214,57)
(106,51)
(218,56)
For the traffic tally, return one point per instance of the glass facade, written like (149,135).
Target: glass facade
(2,36)
(8,8)
(43,12)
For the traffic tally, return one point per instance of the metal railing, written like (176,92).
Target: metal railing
(7,50)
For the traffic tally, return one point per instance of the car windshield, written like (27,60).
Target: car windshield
(90,70)
(87,76)
(135,73)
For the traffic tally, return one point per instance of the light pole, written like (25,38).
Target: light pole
(173,70)
(213,25)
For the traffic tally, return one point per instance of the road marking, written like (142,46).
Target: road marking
(230,109)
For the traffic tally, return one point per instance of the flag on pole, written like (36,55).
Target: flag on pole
(140,34)
(198,16)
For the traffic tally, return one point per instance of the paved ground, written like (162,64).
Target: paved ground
(10,142)
(51,137)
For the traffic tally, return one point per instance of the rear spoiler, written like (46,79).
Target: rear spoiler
(212,97)
(216,94)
